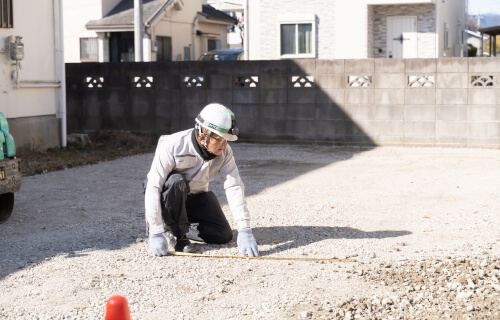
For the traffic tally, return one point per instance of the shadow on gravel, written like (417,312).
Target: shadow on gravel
(291,237)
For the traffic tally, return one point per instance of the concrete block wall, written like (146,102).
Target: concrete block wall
(449,102)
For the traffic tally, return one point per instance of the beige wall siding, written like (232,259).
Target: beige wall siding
(77,13)
(38,63)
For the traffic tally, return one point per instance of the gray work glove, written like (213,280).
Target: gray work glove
(158,244)
(247,243)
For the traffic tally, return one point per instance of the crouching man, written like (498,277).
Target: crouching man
(176,192)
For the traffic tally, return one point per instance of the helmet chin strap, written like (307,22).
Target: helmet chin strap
(203,143)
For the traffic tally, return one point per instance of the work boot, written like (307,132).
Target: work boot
(184,245)
(194,233)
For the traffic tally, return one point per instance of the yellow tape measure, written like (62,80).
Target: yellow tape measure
(175,253)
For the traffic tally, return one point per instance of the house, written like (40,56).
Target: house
(492,33)
(32,79)
(476,40)
(174,30)
(354,29)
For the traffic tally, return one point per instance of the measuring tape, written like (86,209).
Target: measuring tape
(175,253)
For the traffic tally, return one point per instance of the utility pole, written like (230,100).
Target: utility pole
(138,31)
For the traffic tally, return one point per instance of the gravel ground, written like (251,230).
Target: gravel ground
(423,225)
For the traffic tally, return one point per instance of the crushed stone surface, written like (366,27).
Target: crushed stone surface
(422,224)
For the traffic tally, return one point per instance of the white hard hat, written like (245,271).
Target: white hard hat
(220,120)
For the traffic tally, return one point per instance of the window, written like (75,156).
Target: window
(213,44)
(88,49)
(6,16)
(297,37)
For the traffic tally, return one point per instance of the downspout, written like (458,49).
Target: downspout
(437,29)
(195,22)
(62,75)
(247,30)
(138,31)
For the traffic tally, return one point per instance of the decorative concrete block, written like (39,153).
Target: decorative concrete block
(420,129)
(484,113)
(420,113)
(389,80)
(485,80)
(389,65)
(420,96)
(330,81)
(389,112)
(330,96)
(273,95)
(482,96)
(451,113)
(451,96)
(451,129)
(301,112)
(361,66)
(329,111)
(329,66)
(359,96)
(388,128)
(452,65)
(451,80)
(484,64)
(359,111)
(389,96)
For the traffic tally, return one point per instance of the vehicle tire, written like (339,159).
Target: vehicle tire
(6,206)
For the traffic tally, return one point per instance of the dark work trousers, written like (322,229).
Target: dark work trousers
(180,209)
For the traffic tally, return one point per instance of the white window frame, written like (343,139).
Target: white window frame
(298,19)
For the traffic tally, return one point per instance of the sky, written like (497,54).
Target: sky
(484,6)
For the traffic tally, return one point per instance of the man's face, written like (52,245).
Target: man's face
(216,144)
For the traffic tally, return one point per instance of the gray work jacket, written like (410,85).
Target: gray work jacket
(176,153)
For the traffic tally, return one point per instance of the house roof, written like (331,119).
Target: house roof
(213,14)
(492,31)
(121,17)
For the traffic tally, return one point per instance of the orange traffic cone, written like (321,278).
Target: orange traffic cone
(117,309)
